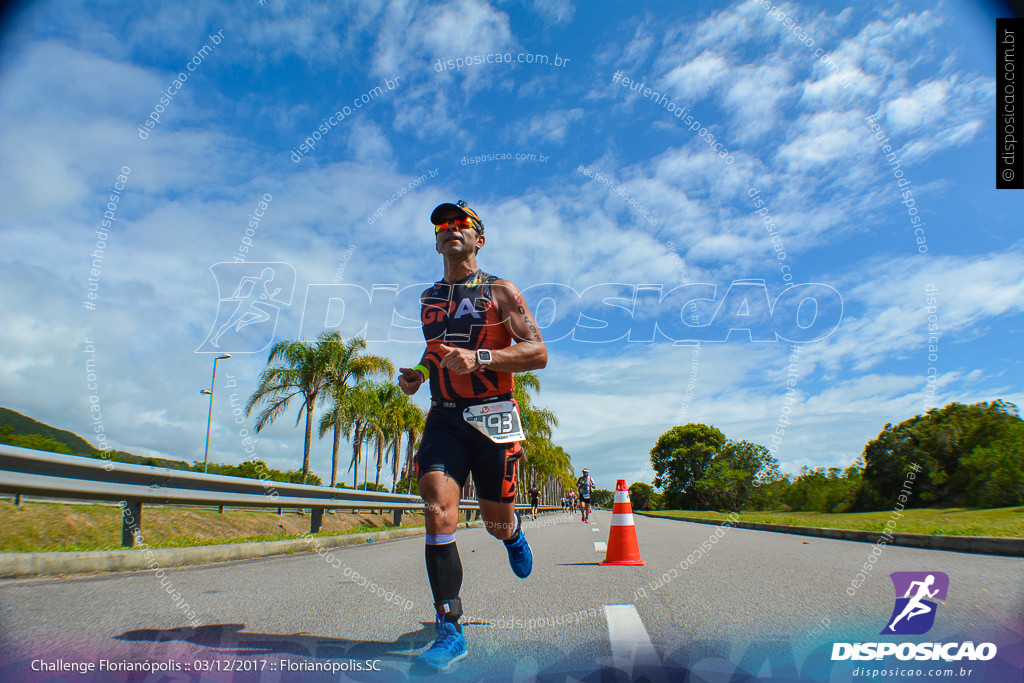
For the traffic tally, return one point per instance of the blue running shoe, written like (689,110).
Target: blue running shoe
(519,555)
(449,647)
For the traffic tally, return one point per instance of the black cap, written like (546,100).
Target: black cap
(444,210)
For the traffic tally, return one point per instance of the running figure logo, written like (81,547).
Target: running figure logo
(247,318)
(914,612)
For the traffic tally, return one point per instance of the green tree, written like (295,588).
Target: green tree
(767,495)
(383,416)
(544,460)
(409,485)
(680,458)
(729,481)
(939,442)
(997,470)
(33,441)
(642,496)
(398,410)
(413,422)
(253,469)
(356,422)
(346,366)
(822,490)
(602,497)
(294,368)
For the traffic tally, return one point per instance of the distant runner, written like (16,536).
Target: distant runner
(534,499)
(585,485)
(479,332)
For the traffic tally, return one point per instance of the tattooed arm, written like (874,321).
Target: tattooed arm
(528,353)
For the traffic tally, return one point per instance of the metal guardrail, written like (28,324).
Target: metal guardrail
(24,471)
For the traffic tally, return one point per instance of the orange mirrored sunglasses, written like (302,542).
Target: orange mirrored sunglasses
(460,223)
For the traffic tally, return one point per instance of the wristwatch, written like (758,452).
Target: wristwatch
(483,357)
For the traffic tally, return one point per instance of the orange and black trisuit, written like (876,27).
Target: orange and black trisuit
(465,314)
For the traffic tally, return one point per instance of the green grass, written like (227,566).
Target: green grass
(1001,522)
(38,526)
(190,541)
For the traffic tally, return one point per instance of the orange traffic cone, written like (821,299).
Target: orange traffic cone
(622,545)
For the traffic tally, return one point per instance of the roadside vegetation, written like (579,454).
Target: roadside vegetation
(1003,522)
(43,526)
(956,470)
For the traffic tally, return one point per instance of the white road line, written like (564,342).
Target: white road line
(600,546)
(630,643)
(595,529)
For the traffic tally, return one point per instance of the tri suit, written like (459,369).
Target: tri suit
(465,314)
(585,485)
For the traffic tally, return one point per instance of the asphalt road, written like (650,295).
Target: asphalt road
(757,602)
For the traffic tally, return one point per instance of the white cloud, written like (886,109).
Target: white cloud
(828,138)
(754,99)
(550,126)
(367,143)
(414,36)
(693,80)
(924,105)
(554,11)
(889,318)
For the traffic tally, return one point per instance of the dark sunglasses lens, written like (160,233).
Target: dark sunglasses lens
(458,223)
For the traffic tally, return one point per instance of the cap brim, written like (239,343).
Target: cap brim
(446,211)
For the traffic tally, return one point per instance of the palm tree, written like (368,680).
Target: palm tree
(355,422)
(537,424)
(345,364)
(386,419)
(407,418)
(414,421)
(397,429)
(294,368)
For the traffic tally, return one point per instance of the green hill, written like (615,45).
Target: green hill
(19,430)
(24,426)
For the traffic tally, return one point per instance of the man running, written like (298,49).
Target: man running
(534,499)
(585,485)
(470,321)
(915,607)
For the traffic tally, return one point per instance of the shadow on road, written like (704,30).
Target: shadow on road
(538,659)
(233,639)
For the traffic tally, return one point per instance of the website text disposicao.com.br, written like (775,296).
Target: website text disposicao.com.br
(458,63)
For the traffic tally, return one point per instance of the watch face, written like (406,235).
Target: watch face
(483,355)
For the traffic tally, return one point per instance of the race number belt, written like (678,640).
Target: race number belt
(498,421)
(467,402)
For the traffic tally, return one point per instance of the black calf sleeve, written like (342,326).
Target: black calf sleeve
(444,570)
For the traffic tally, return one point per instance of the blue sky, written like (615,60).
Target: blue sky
(788,100)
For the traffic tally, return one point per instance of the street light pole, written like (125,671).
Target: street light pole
(209,417)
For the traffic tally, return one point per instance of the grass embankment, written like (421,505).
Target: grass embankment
(1004,522)
(39,526)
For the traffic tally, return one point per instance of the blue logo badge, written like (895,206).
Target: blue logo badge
(917,595)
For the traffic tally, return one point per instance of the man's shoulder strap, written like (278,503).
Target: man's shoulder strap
(484,281)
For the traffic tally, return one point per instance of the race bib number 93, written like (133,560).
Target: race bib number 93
(499,422)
